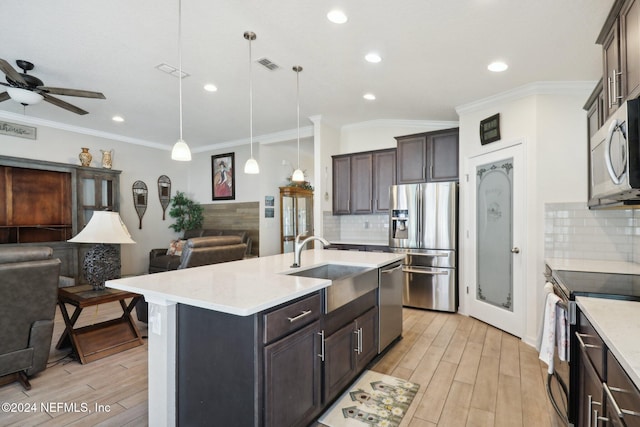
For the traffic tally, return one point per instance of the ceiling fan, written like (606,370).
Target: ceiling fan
(28,89)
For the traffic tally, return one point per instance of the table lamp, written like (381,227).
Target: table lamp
(102,262)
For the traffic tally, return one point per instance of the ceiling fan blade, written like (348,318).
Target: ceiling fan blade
(72,92)
(4,96)
(11,72)
(62,104)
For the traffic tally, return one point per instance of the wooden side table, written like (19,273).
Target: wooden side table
(101,339)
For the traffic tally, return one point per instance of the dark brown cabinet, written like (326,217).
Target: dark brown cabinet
(605,393)
(620,40)
(384,176)
(361,182)
(259,370)
(348,351)
(428,157)
(292,381)
(45,202)
(341,185)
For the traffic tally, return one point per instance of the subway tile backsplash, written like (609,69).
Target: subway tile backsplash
(356,228)
(573,231)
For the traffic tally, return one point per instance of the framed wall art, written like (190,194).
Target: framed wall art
(223,177)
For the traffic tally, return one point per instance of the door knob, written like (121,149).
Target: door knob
(515,250)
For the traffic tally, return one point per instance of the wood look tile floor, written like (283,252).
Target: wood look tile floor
(470,374)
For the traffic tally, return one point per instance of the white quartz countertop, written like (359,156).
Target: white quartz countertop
(618,323)
(360,242)
(248,286)
(595,266)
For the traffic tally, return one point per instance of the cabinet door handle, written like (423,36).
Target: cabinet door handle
(321,355)
(582,344)
(358,333)
(299,316)
(589,400)
(616,82)
(616,408)
(609,92)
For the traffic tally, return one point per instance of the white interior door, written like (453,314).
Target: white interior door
(495,229)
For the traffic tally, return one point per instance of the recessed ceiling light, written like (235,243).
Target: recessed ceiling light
(210,87)
(497,66)
(373,58)
(337,17)
(369,96)
(118,119)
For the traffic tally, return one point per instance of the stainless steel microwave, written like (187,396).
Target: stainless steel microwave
(615,158)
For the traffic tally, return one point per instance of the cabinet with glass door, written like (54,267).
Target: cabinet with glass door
(98,190)
(296,216)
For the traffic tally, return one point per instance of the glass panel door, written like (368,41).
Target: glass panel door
(495,233)
(496,224)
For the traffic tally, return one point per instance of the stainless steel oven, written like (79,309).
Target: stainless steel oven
(567,285)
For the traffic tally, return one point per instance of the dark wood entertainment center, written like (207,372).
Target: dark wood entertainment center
(46,203)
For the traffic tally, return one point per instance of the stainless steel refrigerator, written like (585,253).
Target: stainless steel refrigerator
(423,222)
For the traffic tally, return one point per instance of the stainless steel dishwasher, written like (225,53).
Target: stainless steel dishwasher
(390,279)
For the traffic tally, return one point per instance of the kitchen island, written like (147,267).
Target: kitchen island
(235,294)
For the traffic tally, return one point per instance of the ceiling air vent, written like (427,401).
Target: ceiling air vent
(265,62)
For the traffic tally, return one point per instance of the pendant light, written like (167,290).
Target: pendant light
(298,175)
(251,166)
(180,151)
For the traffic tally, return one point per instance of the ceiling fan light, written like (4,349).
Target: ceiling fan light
(298,176)
(24,96)
(181,152)
(251,167)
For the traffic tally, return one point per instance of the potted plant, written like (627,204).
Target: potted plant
(188,214)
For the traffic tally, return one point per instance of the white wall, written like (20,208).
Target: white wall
(250,188)
(549,120)
(136,163)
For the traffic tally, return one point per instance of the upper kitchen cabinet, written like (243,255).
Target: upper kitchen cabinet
(428,157)
(595,110)
(620,40)
(384,176)
(361,182)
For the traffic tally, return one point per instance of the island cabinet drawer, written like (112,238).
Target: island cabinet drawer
(291,317)
(622,393)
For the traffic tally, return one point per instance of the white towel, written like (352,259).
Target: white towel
(547,338)
(562,328)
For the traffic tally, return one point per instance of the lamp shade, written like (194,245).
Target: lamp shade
(298,176)
(251,167)
(104,227)
(24,96)
(181,151)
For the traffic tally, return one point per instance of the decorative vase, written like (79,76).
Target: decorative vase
(106,158)
(85,157)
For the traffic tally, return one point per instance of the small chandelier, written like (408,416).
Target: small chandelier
(251,167)
(298,175)
(180,151)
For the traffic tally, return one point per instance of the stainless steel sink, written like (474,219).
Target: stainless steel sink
(347,282)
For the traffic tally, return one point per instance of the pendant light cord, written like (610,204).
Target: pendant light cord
(180,61)
(298,69)
(250,102)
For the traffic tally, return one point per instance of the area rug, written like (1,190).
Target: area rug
(375,400)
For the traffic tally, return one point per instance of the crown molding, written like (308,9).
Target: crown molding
(418,124)
(531,89)
(269,138)
(81,130)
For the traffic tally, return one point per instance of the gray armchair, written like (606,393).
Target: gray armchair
(28,298)
(198,251)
